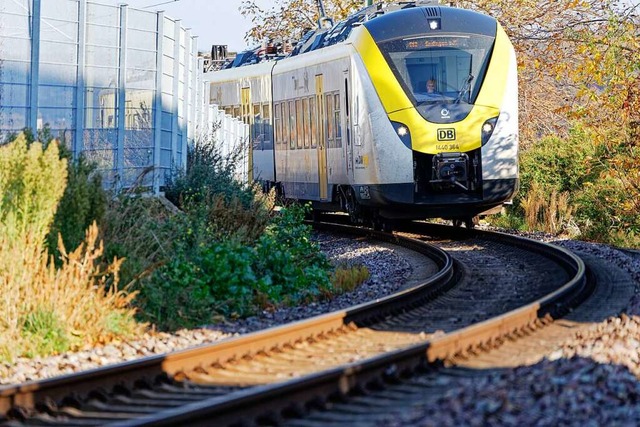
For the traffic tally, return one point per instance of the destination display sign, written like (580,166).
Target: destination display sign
(434,42)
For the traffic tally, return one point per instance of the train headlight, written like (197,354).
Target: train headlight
(403,132)
(487,129)
(434,24)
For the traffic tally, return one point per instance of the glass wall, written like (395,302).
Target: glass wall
(114,83)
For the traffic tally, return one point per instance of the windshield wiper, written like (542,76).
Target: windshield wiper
(466,86)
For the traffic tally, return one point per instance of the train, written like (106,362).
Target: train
(344,120)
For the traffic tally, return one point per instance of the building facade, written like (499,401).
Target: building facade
(118,85)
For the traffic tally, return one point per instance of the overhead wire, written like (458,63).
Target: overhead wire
(160,4)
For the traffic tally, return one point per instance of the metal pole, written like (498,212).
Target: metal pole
(78,140)
(187,101)
(122,93)
(323,20)
(157,110)
(32,119)
(175,99)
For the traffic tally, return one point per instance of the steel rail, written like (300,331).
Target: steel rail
(269,402)
(28,395)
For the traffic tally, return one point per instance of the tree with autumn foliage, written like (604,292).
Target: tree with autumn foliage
(579,91)
(579,74)
(290,19)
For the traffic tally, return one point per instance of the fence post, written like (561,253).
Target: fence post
(36,17)
(157,118)
(122,93)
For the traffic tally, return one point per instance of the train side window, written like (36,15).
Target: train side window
(330,119)
(277,123)
(258,132)
(292,125)
(338,121)
(299,123)
(267,128)
(307,122)
(286,133)
(314,122)
(346,97)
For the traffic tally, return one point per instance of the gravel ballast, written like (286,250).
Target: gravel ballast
(591,380)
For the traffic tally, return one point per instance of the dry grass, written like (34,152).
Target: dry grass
(45,309)
(48,310)
(135,226)
(345,278)
(551,213)
(232,219)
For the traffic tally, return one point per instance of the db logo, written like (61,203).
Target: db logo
(446,134)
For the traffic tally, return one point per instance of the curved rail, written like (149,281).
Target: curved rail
(15,399)
(268,402)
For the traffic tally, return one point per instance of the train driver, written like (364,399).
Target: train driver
(431,86)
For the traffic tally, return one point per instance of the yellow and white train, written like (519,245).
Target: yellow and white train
(346,121)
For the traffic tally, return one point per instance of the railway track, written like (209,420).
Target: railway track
(271,376)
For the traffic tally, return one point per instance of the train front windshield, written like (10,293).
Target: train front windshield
(440,69)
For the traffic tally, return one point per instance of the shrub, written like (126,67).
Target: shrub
(210,171)
(189,291)
(208,190)
(142,230)
(32,181)
(585,184)
(229,217)
(563,165)
(47,309)
(209,276)
(553,171)
(83,202)
(290,260)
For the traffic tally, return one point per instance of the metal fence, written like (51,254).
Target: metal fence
(117,84)
(229,134)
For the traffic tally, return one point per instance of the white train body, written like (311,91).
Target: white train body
(348,127)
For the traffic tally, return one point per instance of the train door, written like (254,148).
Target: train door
(348,121)
(322,143)
(247,118)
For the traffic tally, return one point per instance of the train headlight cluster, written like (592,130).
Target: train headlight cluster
(403,132)
(487,129)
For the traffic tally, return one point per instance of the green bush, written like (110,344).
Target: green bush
(601,215)
(209,277)
(84,201)
(46,308)
(290,261)
(208,189)
(580,183)
(209,172)
(189,291)
(561,165)
(32,181)
(140,229)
